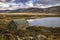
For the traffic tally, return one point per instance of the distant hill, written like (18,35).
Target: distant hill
(55,9)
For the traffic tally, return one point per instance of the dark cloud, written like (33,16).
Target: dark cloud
(30,3)
(23,1)
(43,2)
(40,1)
(47,1)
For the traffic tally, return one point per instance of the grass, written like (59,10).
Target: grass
(32,31)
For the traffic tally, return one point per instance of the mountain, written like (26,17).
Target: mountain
(55,9)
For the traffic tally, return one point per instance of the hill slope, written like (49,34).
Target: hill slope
(55,9)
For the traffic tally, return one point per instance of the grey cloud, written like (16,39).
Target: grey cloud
(44,2)
(23,1)
(32,3)
(47,2)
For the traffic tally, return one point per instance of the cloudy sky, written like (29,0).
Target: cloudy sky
(43,2)
(31,3)
(39,3)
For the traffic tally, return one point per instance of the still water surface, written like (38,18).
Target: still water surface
(48,21)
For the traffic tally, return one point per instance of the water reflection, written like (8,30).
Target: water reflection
(48,21)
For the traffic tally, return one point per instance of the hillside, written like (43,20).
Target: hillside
(55,9)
